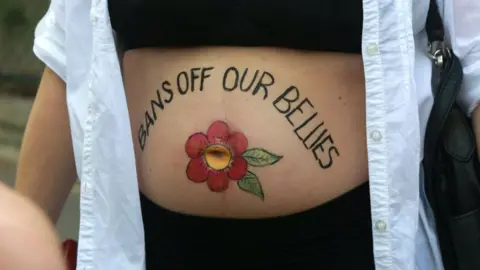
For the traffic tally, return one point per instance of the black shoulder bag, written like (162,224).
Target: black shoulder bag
(451,166)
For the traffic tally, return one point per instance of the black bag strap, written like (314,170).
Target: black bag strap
(446,92)
(448,68)
(434,24)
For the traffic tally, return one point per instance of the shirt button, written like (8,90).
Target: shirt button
(376,135)
(381,226)
(372,49)
(87,188)
(94,17)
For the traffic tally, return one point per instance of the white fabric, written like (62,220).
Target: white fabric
(75,40)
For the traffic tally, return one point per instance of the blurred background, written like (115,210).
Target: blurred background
(20,73)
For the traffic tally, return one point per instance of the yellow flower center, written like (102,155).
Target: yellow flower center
(218,157)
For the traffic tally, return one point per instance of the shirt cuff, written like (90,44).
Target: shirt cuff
(48,45)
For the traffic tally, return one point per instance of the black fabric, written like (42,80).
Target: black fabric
(331,25)
(336,235)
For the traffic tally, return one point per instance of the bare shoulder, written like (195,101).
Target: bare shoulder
(28,239)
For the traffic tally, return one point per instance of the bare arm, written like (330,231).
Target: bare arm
(46,170)
(28,239)
(476,127)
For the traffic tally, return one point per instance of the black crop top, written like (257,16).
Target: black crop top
(322,25)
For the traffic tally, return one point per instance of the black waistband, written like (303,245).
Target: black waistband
(331,236)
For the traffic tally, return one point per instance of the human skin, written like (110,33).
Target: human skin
(28,239)
(476,126)
(46,168)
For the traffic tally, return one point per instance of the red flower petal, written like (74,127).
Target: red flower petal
(217,132)
(217,181)
(238,143)
(197,171)
(196,144)
(238,169)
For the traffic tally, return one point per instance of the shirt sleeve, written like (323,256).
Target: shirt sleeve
(462,29)
(49,41)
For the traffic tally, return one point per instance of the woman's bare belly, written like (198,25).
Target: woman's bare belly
(289,137)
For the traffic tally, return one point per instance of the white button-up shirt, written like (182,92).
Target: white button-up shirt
(75,40)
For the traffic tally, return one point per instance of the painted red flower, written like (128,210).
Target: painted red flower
(216,157)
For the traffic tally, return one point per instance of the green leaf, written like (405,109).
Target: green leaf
(250,184)
(260,157)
